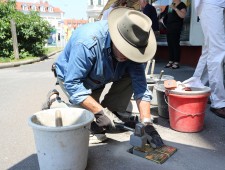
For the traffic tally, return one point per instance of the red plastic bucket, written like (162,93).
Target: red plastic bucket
(187,110)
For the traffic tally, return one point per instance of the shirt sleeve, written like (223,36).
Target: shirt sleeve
(139,83)
(79,64)
(154,18)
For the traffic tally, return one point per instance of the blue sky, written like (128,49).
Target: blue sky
(73,8)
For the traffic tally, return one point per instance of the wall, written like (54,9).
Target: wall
(189,54)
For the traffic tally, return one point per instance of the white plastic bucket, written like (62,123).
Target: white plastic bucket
(64,147)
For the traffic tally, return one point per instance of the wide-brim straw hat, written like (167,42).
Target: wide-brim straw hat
(131,32)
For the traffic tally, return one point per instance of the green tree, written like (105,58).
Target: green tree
(32,31)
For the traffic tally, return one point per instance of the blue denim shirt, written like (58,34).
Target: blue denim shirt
(86,64)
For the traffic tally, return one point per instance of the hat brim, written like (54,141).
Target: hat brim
(133,53)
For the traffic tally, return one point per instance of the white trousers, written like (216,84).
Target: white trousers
(211,63)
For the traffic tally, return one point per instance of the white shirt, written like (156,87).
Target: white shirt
(220,3)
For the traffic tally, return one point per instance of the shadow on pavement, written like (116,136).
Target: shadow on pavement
(29,163)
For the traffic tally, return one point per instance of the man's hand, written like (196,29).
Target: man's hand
(106,119)
(102,120)
(101,123)
(153,137)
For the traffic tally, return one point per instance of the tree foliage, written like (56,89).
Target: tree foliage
(32,31)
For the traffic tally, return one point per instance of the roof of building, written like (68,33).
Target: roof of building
(74,21)
(38,5)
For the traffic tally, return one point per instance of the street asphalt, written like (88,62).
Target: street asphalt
(24,89)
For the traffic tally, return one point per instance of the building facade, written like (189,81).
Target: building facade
(53,15)
(94,9)
(62,28)
(70,25)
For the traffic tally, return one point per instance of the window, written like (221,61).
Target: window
(99,2)
(42,8)
(33,8)
(50,9)
(25,7)
(92,2)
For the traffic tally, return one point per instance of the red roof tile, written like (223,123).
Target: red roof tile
(38,5)
(74,23)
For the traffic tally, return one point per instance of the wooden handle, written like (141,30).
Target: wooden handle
(58,118)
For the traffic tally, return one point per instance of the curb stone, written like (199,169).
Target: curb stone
(16,64)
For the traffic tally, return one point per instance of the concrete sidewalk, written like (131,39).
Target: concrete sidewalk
(196,151)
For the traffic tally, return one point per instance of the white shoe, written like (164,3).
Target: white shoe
(97,138)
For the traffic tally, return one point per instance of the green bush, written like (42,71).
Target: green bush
(32,31)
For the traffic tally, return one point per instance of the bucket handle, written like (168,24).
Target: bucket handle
(187,114)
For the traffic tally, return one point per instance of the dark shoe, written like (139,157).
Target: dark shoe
(175,65)
(48,102)
(169,64)
(219,112)
(124,116)
(131,123)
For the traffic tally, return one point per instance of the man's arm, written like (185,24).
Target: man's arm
(142,95)
(164,13)
(152,135)
(180,12)
(91,104)
(144,109)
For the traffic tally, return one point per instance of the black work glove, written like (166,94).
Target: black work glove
(101,124)
(95,129)
(107,120)
(102,120)
(153,137)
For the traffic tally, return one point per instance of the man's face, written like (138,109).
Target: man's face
(118,55)
(142,4)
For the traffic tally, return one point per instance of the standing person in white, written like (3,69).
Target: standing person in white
(210,64)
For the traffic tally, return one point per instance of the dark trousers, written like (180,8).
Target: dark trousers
(116,99)
(173,40)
